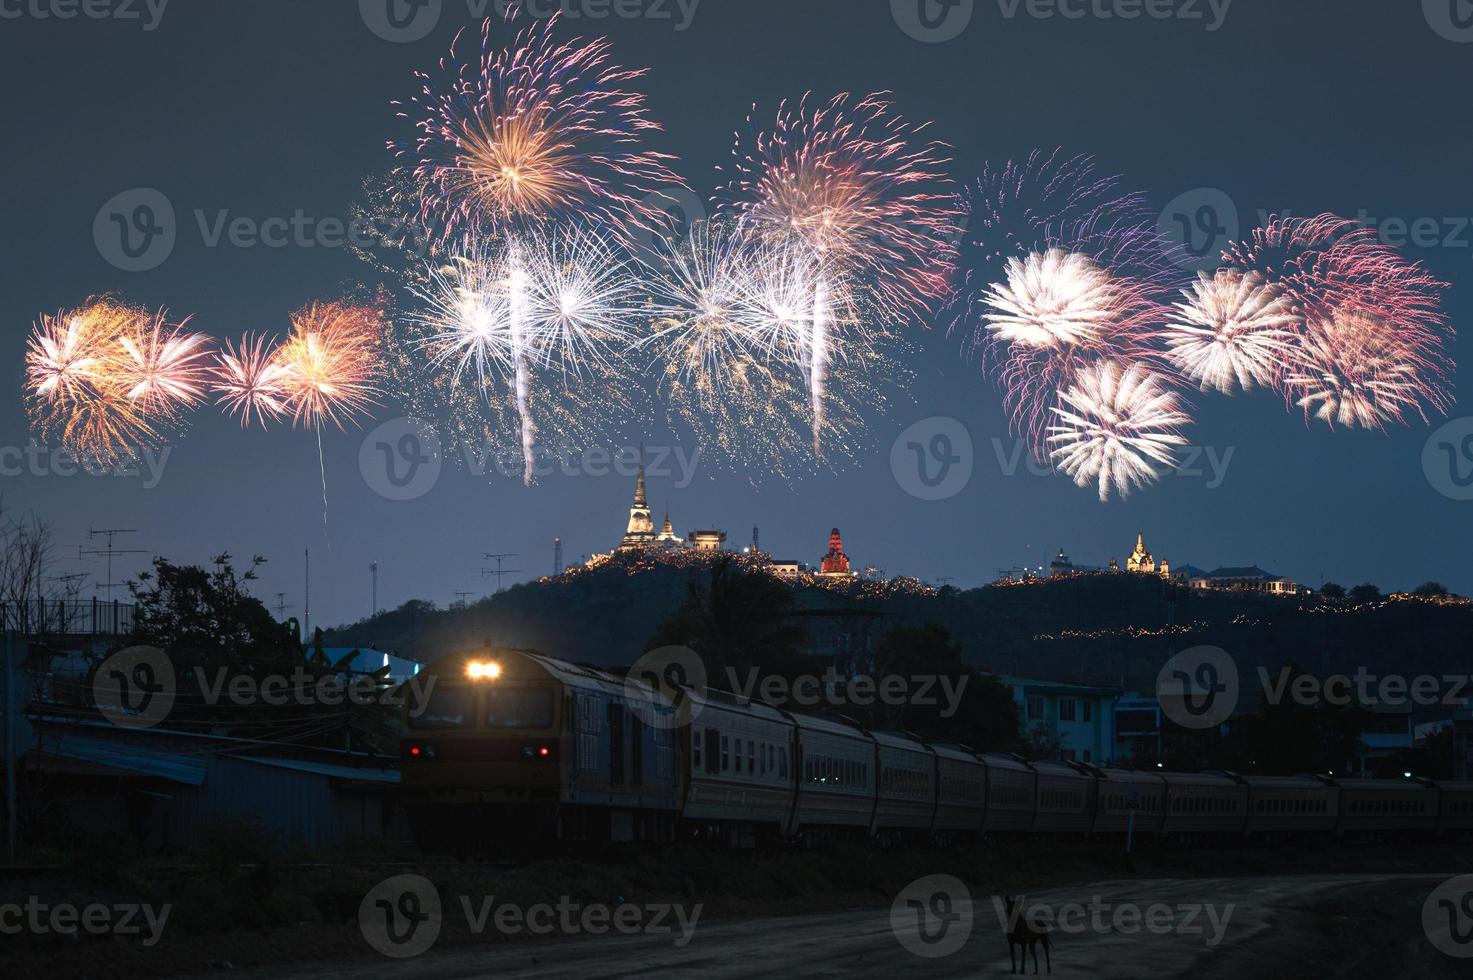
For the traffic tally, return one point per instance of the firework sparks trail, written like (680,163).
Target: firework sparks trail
(1232,330)
(861,188)
(560,301)
(536,129)
(1112,424)
(1372,338)
(328,368)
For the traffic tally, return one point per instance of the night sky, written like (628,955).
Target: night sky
(265,108)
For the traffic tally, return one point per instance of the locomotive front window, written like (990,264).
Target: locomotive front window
(447,707)
(519,707)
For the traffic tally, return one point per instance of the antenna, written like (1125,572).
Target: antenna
(373,572)
(109,550)
(281,606)
(557,556)
(756,541)
(499,557)
(460,598)
(307,595)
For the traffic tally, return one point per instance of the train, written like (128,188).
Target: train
(515,746)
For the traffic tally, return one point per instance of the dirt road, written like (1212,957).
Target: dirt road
(1318,926)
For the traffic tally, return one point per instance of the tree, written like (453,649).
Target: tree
(1332,591)
(960,704)
(738,620)
(1365,592)
(1431,590)
(215,633)
(1290,736)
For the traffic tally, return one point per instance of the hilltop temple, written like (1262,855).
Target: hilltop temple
(640,531)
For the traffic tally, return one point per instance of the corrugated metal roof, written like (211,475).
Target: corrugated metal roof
(112,753)
(387,776)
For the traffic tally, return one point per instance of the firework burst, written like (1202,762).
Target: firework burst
(329,365)
(108,380)
(534,130)
(1233,330)
(864,192)
(1112,424)
(1373,338)
(249,380)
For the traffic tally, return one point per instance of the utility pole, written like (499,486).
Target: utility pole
(373,572)
(109,551)
(307,595)
(499,571)
(281,606)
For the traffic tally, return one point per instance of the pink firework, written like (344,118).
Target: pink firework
(161,365)
(863,188)
(249,381)
(536,129)
(1374,339)
(1053,312)
(866,193)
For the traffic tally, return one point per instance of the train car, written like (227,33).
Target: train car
(905,801)
(1066,799)
(1126,800)
(836,779)
(739,776)
(1012,794)
(1285,806)
(511,742)
(1203,803)
(1454,809)
(961,784)
(1385,807)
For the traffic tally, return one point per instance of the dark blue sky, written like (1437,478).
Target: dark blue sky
(263,108)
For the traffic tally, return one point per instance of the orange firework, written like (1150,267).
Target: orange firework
(328,367)
(108,380)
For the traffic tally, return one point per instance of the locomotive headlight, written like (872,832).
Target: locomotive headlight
(483,670)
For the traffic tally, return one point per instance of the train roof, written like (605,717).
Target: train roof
(832,726)
(1053,767)
(947,750)
(900,740)
(1122,775)
(1203,779)
(721,700)
(1002,760)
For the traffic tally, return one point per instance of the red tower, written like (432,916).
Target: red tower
(835,562)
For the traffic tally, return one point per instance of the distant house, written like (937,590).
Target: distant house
(1388,732)
(1079,718)
(1249,577)
(1137,727)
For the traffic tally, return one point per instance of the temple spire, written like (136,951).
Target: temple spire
(640,500)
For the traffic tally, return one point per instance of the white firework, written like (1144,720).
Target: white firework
(581,301)
(1352,371)
(468,313)
(1234,329)
(1053,299)
(1114,423)
(699,301)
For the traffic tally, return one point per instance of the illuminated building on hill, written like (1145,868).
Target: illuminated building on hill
(835,562)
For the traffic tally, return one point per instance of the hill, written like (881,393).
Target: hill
(1113,629)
